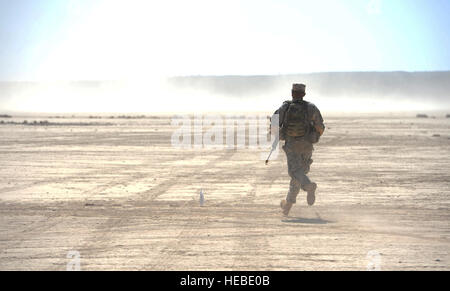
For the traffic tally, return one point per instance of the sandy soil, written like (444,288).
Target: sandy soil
(125,199)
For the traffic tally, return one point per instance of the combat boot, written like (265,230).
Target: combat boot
(286,206)
(311,193)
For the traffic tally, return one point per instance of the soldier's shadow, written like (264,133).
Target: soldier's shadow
(306,220)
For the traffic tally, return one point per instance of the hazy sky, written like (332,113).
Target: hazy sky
(109,39)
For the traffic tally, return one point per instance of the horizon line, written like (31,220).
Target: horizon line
(220,76)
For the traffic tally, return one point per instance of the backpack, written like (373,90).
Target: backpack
(296,122)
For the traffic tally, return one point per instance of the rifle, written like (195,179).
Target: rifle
(280,129)
(274,147)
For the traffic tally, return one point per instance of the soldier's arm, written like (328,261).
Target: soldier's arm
(316,118)
(281,112)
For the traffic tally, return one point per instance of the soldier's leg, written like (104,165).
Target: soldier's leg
(309,187)
(305,166)
(294,189)
(299,162)
(297,174)
(298,167)
(294,186)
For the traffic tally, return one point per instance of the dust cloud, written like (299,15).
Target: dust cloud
(332,92)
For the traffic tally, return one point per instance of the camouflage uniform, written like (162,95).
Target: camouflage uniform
(299,151)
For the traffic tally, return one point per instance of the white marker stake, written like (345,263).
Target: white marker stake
(202,198)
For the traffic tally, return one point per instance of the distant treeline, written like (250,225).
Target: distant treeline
(122,117)
(48,123)
(5,116)
(108,117)
(422,115)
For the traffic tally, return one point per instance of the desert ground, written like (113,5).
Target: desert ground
(116,192)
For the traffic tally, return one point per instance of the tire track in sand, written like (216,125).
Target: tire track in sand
(22,237)
(190,230)
(250,243)
(103,236)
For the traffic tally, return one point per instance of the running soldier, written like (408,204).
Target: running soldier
(301,125)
